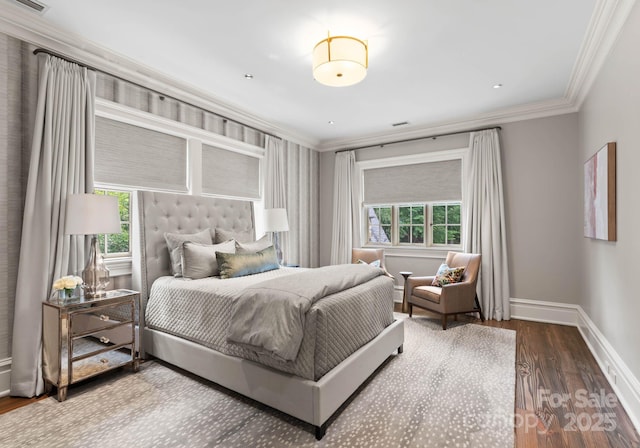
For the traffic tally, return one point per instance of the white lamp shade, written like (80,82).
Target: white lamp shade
(340,61)
(275,220)
(92,214)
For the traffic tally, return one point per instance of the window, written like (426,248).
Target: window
(379,224)
(411,224)
(419,225)
(117,244)
(445,224)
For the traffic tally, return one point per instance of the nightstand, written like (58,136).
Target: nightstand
(82,337)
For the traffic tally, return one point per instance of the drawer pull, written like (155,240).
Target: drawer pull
(104,340)
(104,360)
(104,317)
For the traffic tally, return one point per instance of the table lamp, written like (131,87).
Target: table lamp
(92,214)
(275,220)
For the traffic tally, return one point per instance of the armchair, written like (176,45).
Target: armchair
(452,299)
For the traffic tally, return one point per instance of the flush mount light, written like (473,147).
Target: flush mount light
(497,86)
(331,122)
(340,61)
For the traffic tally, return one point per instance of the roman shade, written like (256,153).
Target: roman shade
(420,182)
(229,173)
(132,156)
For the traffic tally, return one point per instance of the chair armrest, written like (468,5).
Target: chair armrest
(412,282)
(458,296)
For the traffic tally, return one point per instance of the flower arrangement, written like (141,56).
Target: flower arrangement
(67,283)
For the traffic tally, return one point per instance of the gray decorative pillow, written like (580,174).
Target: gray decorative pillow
(239,265)
(254,246)
(226,235)
(199,260)
(174,244)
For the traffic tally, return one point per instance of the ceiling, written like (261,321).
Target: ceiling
(430,61)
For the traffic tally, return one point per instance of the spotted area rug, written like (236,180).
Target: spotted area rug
(449,388)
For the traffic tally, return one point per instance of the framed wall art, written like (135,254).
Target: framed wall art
(600,194)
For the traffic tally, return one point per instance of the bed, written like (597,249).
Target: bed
(311,387)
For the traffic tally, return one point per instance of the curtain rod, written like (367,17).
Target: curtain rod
(435,136)
(162,95)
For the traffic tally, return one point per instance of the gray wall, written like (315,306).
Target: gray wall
(543,203)
(611,112)
(10,183)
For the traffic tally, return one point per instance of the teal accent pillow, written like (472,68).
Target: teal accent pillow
(447,275)
(239,265)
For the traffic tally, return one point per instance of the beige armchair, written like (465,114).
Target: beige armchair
(456,298)
(368,256)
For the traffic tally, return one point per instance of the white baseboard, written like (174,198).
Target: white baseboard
(5,374)
(622,381)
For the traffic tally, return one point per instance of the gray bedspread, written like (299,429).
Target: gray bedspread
(336,326)
(269,317)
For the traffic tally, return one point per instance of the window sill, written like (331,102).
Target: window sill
(415,252)
(119,266)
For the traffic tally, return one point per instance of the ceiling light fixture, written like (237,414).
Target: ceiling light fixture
(340,61)
(248,76)
(497,86)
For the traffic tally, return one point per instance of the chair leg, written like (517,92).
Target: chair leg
(444,321)
(410,310)
(479,308)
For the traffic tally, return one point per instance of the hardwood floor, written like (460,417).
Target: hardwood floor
(562,398)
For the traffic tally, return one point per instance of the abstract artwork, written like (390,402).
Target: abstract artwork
(600,194)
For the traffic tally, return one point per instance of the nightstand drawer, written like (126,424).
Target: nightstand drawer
(94,320)
(88,345)
(98,363)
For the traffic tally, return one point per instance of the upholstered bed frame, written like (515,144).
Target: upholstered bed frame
(155,213)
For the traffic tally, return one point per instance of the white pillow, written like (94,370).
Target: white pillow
(254,246)
(174,244)
(199,260)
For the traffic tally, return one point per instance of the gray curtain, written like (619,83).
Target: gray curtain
(485,231)
(346,210)
(274,184)
(61,164)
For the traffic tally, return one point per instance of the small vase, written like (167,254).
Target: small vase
(66,293)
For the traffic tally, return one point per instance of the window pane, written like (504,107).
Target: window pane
(418,234)
(439,214)
(453,235)
(123,204)
(386,234)
(453,214)
(404,215)
(404,234)
(101,243)
(439,235)
(384,215)
(417,215)
(119,242)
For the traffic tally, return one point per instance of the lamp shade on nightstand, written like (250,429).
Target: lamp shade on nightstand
(91,214)
(275,220)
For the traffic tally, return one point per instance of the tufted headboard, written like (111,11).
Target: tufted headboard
(155,213)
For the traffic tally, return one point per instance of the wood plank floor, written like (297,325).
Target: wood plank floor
(562,397)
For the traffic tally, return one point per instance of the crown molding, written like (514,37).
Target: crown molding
(30,27)
(604,27)
(518,113)
(607,21)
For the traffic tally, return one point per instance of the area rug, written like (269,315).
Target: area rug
(448,388)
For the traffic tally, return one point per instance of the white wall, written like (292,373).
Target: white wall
(543,203)
(611,112)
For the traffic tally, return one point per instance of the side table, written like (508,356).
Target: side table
(405,291)
(83,337)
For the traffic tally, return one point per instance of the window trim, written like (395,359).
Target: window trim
(435,156)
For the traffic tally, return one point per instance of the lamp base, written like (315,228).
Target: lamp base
(95,274)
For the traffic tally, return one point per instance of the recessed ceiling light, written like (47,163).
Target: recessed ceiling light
(331,122)
(248,76)
(497,86)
